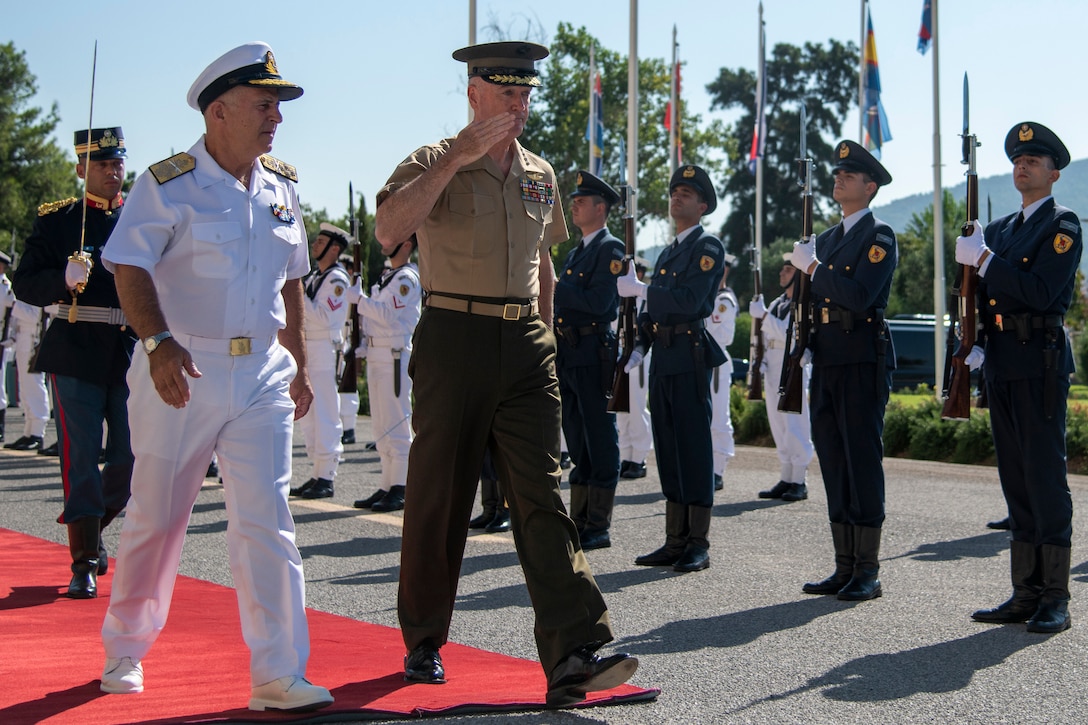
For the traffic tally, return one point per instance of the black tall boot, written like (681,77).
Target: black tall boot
(696,556)
(1027,586)
(103,555)
(3,413)
(83,544)
(598,517)
(489,498)
(1053,614)
(579,505)
(842,536)
(864,584)
(676,537)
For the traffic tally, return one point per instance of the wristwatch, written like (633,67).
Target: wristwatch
(151,343)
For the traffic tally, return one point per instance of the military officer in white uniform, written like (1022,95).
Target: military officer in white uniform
(349,402)
(721,325)
(28,322)
(389,316)
(208,259)
(326,305)
(635,433)
(7,301)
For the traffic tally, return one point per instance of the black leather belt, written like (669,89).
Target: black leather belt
(1024,320)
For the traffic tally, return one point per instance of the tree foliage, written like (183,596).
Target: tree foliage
(912,288)
(824,80)
(33,169)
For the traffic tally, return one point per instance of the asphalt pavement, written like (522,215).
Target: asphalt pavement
(738,643)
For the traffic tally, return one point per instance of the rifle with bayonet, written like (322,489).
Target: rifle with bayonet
(791,388)
(619,401)
(956,390)
(755,340)
(349,378)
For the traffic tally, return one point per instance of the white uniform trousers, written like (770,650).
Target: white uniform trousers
(349,408)
(721,421)
(241,409)
(33,392)
(390,415)
(635,434)
(5,358)
(321,429)
(792,432)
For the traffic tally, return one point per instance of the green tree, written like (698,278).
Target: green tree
(912,288)
(824,80)
(33,169)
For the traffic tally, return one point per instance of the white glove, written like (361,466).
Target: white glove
(756,308)
(804,254)
(354,292)
(8,342)
(629,285)
(634,361)
(975,358)
(360,352)
(77,271)
(806,357)
(970,250)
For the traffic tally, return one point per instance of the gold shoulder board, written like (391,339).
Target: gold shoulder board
(173,167)
(279,167)
(52,206)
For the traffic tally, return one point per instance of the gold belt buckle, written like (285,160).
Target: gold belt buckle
(241,346)
(999,323)
(511,311)
(824,316)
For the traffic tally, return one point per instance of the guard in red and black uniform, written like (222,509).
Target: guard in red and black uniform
(1027,265)
(86,350)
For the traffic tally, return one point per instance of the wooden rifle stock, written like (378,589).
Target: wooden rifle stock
(957,399)
(619,401)
(755,356)
(792,386)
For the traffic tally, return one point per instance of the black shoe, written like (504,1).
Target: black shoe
(594,539)
(213,471)
(661,557)
(348,437)
(103,558)
(564,460)
(424,665)
(795,492)
(776,491)
(832,585)
(393,500)
(500,523)
(1011,612)
(694,558)
(861,588)
(635,470)
(482,520)
(1000,524)
(583,671)
(624,465)
(50,450)
(719,484)
(1052,617)
(322,488)
(26,443)
(365,503)
(303,488)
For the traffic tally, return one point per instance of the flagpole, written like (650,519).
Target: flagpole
(759,157)
(861,78)
(592,111)
(673,101)
(938,214)
(632,113)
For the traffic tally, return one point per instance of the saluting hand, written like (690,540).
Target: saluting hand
(170,363)
(478,137)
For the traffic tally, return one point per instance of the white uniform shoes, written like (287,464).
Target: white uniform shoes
(122,676)
(292,694)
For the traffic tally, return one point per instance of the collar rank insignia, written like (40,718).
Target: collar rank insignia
(282,213)
(1062,243)
(877,254)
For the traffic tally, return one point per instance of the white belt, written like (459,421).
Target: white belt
(397,341)
(774,344)
(84,313)
(234,346)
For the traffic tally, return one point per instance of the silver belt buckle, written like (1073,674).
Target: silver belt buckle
(511,311)
(241,346)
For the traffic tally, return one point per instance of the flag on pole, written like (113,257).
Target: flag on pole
(668,115)
(595,127)
(759,132)
(876,121)
(925,33)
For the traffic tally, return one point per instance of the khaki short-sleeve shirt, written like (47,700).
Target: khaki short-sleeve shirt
(486,233)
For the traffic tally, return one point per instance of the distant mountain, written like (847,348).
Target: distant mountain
(1071,191)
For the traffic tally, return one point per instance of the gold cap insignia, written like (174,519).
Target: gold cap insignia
(578,182)
(1027,133)
(1062,243)
(706,263)
(615,266)
(689,172)
(107,140)
(844,151)
(877,254)
(270,63)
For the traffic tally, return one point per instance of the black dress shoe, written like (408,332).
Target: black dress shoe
(594,539)
(365,503)
(322,488)
(635,470)
(694,558)
(796,492)
(564,460)
(482,520)
(1000,524)
(719,484)
(582,671)
(213,470)
(50,450)
(500,523)
(1052,617)
(393,500)
(624,465)
(831,585)
(303,488)
(776,491)
(424,665)
(661,557)
(26,443)
(1011,612)
(348,437)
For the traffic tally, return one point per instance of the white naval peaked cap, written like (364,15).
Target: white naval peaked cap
(251,64)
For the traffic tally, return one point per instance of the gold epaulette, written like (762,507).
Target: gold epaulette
(52,206)
(173,167)
(278,167)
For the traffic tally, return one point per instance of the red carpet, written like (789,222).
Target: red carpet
(52,658)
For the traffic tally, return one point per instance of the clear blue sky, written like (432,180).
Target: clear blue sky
(380,82)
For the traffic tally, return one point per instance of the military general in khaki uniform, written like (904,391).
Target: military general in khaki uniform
(486,211)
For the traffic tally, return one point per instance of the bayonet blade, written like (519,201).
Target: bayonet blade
(966,105)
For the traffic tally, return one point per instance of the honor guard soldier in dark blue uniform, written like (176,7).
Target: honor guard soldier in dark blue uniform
(1027,264)
(852,358)
(678,299)
(86,350)
(585,305)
